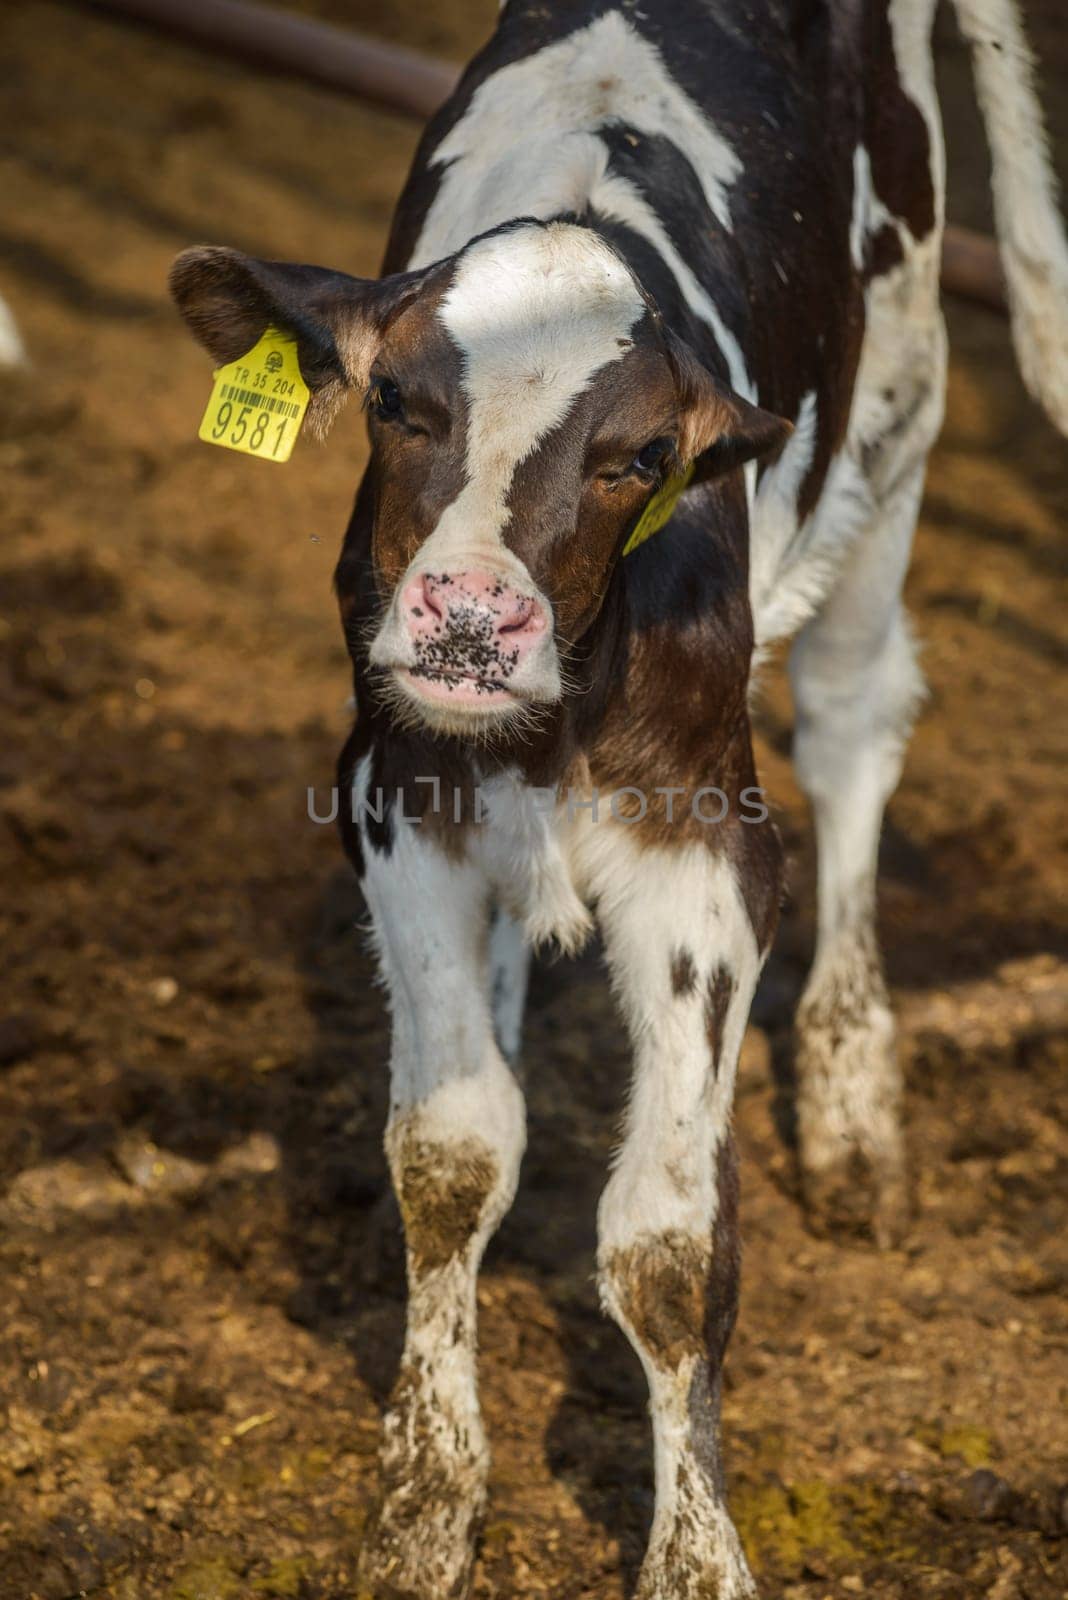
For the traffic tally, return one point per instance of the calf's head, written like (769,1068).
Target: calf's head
(525,402)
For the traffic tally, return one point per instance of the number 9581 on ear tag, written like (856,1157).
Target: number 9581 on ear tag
(258,402)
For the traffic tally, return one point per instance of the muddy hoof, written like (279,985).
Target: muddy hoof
(424,1557)
(694,1551)
(856,1199)
(420,1541)
(684,1579)
(850,1091)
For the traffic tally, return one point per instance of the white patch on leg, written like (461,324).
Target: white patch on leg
(856,690)
(454,1140)
(694,1550)
(431,921)
(850,1090)
(684,964)
(650,904)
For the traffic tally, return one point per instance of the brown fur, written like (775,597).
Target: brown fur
(442,1190)
(417,462)
(683,974)
(717,999)
(660,1286)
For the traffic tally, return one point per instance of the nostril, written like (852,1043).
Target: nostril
(428,599)
(469,606)
(418,602)
(526,617)
(519,617)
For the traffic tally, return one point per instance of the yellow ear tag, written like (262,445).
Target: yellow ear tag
(659,509)
(258,403)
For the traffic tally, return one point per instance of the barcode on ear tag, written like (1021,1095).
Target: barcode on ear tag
(258,402)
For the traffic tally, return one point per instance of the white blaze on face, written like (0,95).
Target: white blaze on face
(535,313)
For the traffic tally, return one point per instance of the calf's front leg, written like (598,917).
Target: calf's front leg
(684,961)
(454,1141)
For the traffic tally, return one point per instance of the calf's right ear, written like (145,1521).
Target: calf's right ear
(717,425)
(229,300)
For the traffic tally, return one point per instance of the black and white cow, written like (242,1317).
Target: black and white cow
(690,237)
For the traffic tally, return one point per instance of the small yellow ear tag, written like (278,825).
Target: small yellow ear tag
(659,509)
(258,403)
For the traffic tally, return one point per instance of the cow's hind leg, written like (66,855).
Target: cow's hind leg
(856,687)
(454,1141)
(684,961)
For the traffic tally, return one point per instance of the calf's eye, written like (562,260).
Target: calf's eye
(386,399)
(650,456)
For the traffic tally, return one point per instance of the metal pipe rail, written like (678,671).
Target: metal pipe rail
(335,58)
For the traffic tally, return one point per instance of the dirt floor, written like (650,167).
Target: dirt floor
(202,1281)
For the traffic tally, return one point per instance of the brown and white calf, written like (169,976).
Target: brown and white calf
(700,235)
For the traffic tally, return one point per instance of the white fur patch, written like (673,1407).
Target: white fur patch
(654,905)
(773,523)
(604,71)
(651,903)
(526,851)
(894,419)
(535,313)
(430,918)
(509,968)
(615,197)
(869,213)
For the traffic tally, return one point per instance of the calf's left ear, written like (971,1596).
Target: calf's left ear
(229,300)
(715,423)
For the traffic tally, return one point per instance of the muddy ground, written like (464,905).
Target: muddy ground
(202,1283)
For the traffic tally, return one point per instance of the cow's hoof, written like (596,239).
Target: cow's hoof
(420,1544)
(850,1138)
(674,1583)
(420,1539)
(854,1198)
(694,1552)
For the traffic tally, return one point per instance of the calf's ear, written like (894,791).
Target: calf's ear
(716,424)
(229,299)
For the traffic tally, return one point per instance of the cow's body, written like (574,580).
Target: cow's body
(760,170)
(748,200)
